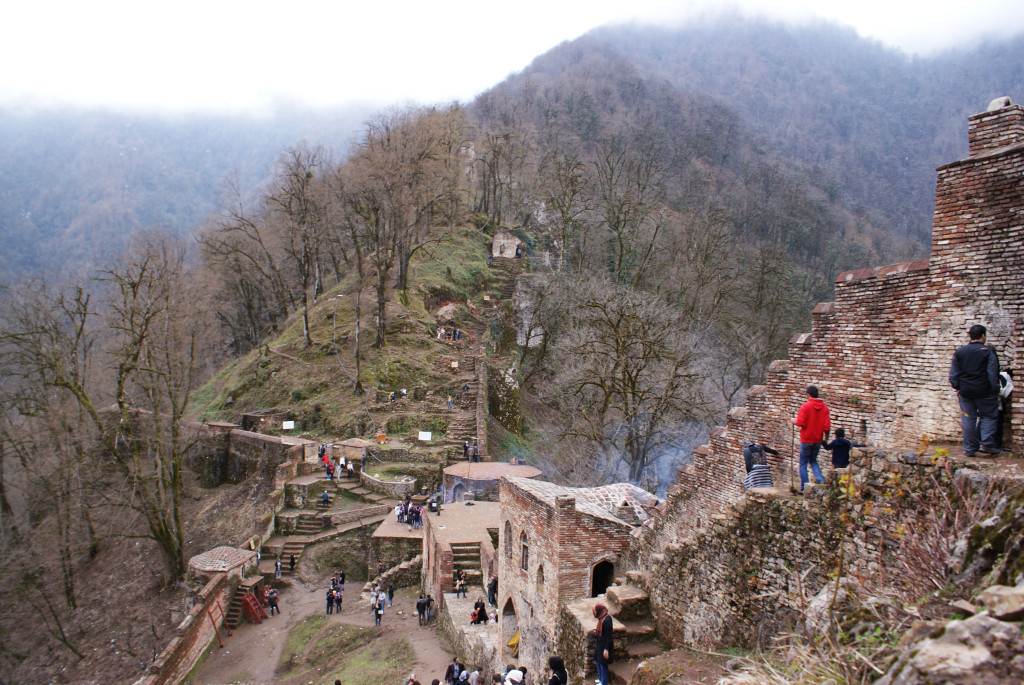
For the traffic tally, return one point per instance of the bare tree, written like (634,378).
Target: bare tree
(629,374)
(567,192)
(628,172)
(297,200)
(149,328)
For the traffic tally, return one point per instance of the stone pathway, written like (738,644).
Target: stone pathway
(251,655)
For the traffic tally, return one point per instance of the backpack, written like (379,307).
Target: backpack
(757,455)
(1005,384)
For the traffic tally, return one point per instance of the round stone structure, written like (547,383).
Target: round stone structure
(480,480)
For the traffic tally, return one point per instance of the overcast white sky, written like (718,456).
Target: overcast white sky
(254,55)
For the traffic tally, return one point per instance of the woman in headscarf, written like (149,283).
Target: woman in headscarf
(559,676)
(603,644)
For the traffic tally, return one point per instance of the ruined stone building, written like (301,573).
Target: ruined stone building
(558,545)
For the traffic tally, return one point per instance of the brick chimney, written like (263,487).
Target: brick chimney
(1000,125)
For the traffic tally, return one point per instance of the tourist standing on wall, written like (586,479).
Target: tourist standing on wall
(603,646)
(974,373)
(814,424)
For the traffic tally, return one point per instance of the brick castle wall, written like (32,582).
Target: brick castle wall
(880,354)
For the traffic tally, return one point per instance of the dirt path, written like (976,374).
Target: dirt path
(251,655)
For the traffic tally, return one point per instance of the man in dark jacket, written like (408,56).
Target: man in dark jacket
(974,373)
(814,424)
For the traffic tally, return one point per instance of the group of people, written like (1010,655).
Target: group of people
(984,393)
(459,674)
(379,599)
(409,514)
(470,453)
(424,608)
(815,424)
(335,470)
(397,394)
(335,593)
(453,333)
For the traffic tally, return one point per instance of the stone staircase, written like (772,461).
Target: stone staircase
(234,615)
(309,524)
(353,487)
(507,273)
(466,556)
(633,630)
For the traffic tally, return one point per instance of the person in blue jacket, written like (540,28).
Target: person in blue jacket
(840,448)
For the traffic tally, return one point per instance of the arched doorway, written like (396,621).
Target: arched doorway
(457,493)
(603,575)
(509,630)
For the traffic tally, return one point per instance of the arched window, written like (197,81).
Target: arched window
(524,560)
(508,540)
(540,577)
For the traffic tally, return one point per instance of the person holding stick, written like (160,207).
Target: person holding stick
(814,424)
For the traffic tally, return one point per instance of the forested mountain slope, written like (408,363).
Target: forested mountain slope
(875,119)
(74,184)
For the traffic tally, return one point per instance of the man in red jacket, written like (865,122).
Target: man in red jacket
(814,424)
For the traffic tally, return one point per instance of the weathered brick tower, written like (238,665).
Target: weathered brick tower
(881,351)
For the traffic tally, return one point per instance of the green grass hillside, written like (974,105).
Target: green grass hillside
(315,385)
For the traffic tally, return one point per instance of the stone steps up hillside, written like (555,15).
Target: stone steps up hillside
(632,629)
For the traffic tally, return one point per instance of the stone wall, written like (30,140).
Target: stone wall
(396,489)
(403,455)
(477,646)
(193,635)
(564,544)
(481,410)
(744,576)
(392,552)
(238,455)
(438,562)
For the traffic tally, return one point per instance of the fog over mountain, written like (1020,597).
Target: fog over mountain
(74,184)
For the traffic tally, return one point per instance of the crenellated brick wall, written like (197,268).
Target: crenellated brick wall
(880,354)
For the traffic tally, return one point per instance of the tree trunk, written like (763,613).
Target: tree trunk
(305,319)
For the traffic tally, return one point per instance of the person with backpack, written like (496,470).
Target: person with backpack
(974,374)
(754,453)
(337,601)
(330,601)
(378,610)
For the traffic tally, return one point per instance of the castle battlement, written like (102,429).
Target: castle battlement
(880,352)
